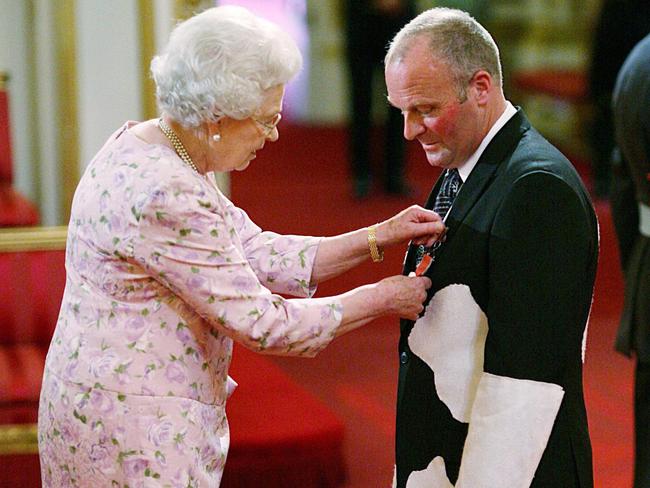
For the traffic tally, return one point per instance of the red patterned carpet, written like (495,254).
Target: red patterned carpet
(300,185)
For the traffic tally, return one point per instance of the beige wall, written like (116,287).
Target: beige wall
(77,71)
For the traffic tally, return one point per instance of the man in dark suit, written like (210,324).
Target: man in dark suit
(619,26)
(631,210)
(490,382)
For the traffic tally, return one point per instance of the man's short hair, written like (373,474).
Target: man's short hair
(455,38)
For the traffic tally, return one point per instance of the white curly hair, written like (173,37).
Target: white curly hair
(220,62)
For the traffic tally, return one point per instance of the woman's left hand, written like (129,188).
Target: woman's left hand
(415,223)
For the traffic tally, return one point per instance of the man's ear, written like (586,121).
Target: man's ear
(481,85)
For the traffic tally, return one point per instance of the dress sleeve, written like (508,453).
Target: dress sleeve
(188,243)
(282,263)
(541,249)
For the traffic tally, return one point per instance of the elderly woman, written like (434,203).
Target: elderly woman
(164,272)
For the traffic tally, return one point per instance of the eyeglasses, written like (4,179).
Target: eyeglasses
(269,125)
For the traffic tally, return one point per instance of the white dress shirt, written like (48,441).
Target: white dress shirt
(466,168)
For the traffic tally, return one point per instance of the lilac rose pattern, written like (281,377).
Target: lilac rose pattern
(163,274)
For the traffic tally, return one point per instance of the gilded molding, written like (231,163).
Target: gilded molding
(147,51)
(67,106)
(33,104)
(184,9)
(20,239)
(18,439)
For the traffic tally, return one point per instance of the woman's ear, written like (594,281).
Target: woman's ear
(214,128)
(217,123)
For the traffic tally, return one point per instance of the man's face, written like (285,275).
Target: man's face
(423,88)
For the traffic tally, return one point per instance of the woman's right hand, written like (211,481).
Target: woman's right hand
(417,224)
(404,295)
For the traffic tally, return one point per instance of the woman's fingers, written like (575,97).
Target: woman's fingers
(430,239)
(415,224)
(416,307)
(417,214)
(408,294)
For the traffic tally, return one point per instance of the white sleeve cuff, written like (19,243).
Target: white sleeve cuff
(510,424)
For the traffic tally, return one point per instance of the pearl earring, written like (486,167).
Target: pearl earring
(216,137)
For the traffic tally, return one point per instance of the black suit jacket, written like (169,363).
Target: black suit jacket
(631,186)
(522,244)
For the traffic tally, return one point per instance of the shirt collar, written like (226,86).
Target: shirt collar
(466,168)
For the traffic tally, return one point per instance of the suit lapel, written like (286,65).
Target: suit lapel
(483,173)
(480,177)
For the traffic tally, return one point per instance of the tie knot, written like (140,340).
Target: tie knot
(451,182)
(453,174)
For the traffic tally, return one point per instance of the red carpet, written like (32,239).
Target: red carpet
(280,435)
(300,185)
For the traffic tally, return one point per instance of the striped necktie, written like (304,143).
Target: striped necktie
(451,183)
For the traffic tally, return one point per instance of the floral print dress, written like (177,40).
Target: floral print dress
(163,274)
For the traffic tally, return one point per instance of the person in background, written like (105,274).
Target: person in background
(369,26)
(630,200)
(620,25)
(164,273)
(490,380)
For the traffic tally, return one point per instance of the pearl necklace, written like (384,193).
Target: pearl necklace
(178,145)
